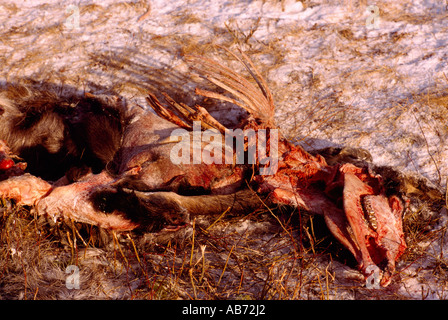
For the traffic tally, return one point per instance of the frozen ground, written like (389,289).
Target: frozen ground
(352,73)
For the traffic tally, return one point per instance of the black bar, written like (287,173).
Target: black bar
(217,309)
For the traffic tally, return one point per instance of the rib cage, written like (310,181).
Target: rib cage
(256,100)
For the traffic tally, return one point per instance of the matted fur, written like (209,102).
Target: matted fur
(57,133)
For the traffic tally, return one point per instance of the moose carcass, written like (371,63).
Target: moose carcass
(142,175)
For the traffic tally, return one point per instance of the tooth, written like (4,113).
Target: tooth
(370,214)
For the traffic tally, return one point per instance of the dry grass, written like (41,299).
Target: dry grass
(280,254)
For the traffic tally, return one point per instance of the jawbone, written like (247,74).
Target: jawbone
(375,222)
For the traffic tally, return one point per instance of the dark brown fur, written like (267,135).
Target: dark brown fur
(57,135)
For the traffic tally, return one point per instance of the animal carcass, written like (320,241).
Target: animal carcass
(150,163)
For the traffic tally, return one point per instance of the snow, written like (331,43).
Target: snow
(340,74)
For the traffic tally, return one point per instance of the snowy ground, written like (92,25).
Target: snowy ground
(352,73)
